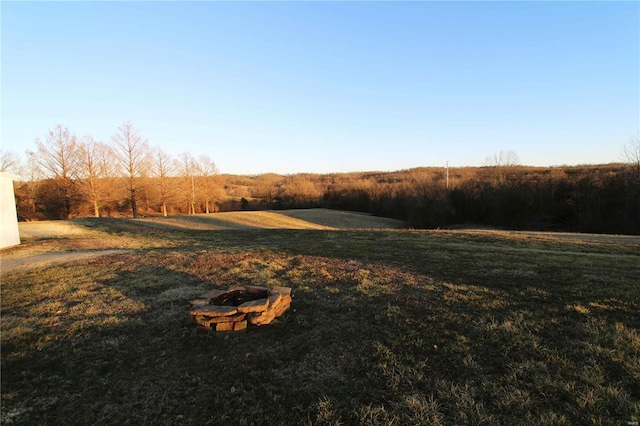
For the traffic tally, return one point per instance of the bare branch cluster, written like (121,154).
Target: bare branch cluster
(9,163)
(501,165)
(70,174)
(631,155)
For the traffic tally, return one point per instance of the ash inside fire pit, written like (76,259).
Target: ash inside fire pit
(238,296)
(234,309)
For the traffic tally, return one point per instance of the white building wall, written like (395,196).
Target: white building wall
(9,233)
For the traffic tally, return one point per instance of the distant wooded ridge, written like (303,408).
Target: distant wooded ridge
(71,177)
(588,198)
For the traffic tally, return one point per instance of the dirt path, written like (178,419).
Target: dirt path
(44,259)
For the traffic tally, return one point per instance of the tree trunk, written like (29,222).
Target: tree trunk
(67,207)
(134,207)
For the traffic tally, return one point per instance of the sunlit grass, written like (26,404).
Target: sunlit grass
(342,219)
(234,220)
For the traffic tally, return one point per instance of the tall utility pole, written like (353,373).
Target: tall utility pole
(447,167)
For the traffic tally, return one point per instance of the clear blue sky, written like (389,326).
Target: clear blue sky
(324,87)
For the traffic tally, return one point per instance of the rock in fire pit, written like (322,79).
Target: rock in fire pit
(234,309)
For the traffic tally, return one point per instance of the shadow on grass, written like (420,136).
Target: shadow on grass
(384,329)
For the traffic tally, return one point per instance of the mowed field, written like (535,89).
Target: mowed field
(388,326)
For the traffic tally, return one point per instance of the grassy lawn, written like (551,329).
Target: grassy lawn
(387,327)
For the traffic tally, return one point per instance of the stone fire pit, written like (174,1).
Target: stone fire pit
(234,309)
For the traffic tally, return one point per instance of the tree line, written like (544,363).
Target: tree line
(589,198)
(68,177)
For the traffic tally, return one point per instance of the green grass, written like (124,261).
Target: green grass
(387,327)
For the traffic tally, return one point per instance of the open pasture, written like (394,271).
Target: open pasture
(387,326)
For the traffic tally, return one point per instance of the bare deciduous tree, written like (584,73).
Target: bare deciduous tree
(210,182)
(9,162)
(96,171)
(631,154)
(501,165)
(132,153)
(301,189)
(31,176)
(188,170)
(164,167)
(59,158)
(266,187)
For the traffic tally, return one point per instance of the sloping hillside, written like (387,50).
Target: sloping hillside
(281,219)
(343,219)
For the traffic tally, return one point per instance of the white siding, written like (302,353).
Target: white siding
(9,233)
